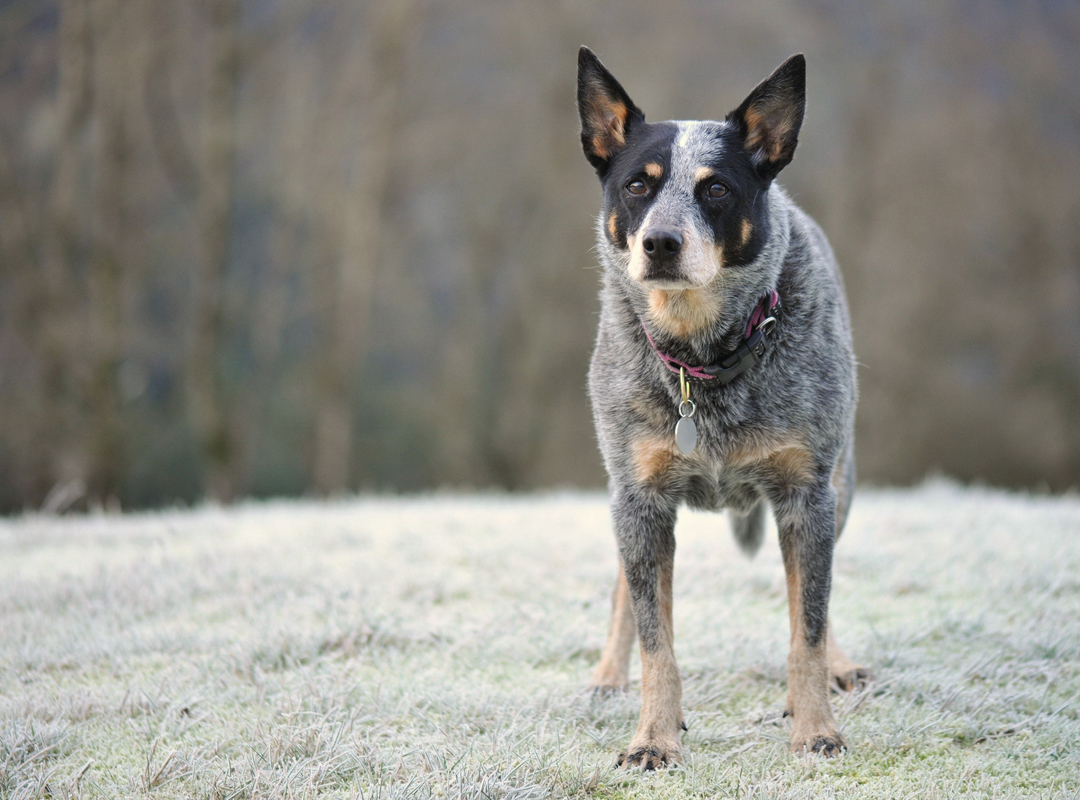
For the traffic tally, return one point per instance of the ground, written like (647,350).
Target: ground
(440,646)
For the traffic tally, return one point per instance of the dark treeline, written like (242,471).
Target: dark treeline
(253,247)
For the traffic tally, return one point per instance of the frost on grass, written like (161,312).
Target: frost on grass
(439,647)
(27,753)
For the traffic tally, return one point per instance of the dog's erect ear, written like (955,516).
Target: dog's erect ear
(770,118)
(607,112)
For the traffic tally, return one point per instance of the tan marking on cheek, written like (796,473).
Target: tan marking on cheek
(683,312)
(611,225)
(701,174)
(636,266)
(654,170)
(652,458)
(747,229)
(719,255)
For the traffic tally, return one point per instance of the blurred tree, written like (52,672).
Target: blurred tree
(60,334)
(115,24)
(370,83)
(208,398)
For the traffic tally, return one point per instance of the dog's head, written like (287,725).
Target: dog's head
(684,201)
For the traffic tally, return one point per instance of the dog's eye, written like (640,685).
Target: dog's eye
(717,190)
(636,187)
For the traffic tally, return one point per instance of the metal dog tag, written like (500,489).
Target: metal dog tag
(686,428)
(686,435)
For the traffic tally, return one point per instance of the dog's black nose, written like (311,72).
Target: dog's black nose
(662,245)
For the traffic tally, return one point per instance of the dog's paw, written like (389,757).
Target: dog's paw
(851,677)
(827,745)
(650,757)
(601,691)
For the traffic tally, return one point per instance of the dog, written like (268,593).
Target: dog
(723,377)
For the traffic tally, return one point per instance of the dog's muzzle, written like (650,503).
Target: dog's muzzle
(662,248)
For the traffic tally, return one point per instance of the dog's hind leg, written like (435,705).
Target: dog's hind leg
(749,528)
(845,674)
(611,673)
(645,525)
(807,520)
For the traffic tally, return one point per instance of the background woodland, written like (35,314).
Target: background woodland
(257,247)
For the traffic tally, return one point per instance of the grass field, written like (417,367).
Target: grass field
(439,647)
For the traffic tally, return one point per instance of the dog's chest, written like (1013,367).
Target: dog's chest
(730,451)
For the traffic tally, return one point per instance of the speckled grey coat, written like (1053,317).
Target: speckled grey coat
(693,233)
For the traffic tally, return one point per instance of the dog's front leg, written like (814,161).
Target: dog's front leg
(645,526)
(807,521)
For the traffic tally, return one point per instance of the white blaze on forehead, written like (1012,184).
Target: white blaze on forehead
(685,129)
(697,145)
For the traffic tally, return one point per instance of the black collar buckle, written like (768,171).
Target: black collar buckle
(749,352)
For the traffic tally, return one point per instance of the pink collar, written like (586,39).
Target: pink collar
(746,355)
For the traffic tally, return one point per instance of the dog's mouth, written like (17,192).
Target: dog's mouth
(674,275)
(669,283)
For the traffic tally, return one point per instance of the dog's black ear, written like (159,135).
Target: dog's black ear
(607,113)
(770,118)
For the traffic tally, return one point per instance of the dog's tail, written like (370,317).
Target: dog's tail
(749,528)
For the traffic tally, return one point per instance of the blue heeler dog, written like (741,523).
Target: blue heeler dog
(723,377)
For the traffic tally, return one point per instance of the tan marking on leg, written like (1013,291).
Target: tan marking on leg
(814,728)
(753,449)
(787,458)
(701,174)
(611,672)
(612,229)
(683,312)
(794,464)
(652,458)
(654,170)
(656,741)
(845,674)
(747,229)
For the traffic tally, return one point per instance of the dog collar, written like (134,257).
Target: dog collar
(749,352)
